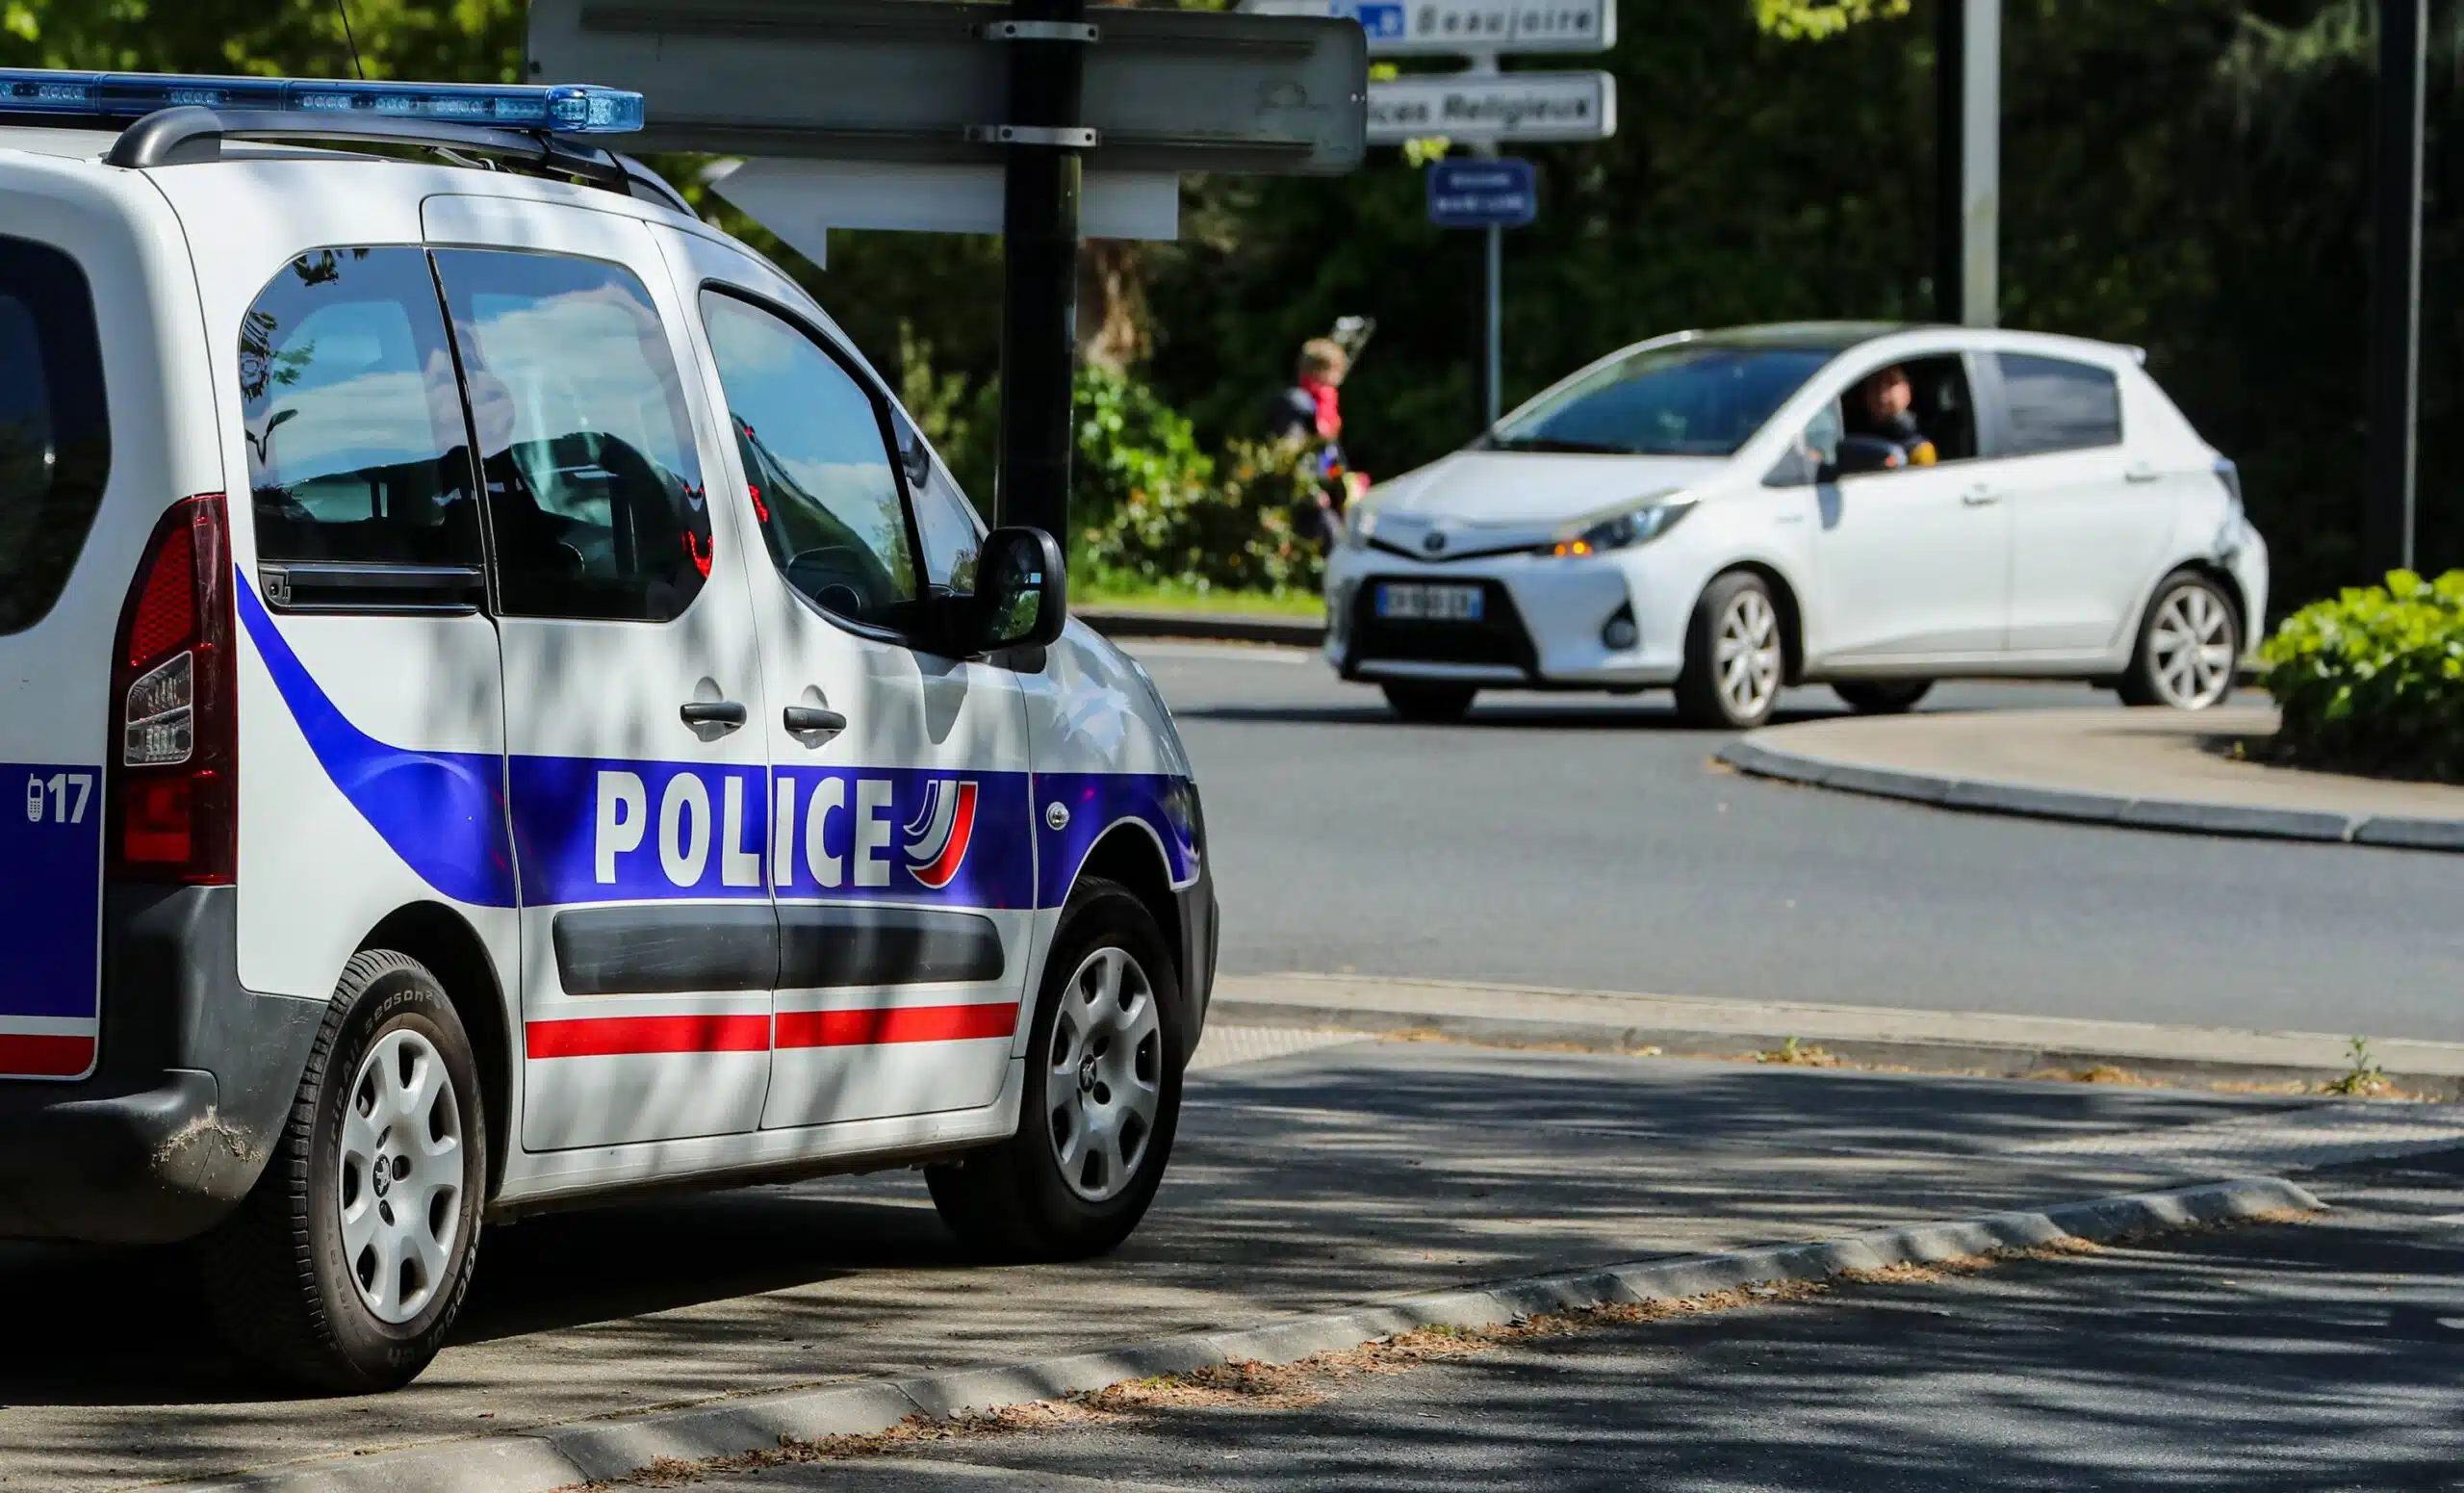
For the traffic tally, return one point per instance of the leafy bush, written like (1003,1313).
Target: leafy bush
(2374,680)
(1132,447)
(1233,533)
(1148,505)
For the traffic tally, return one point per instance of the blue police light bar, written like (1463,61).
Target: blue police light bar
(560,108)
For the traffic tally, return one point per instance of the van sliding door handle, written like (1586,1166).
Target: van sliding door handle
(808,719)
(713,712)
(2143,472)
(1979,498)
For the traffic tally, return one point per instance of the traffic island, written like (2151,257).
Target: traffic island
(2187,772)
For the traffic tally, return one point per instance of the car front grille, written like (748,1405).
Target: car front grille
(1498,639)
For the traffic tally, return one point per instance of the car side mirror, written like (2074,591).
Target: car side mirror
(1798,467)
(1867,453)
(1021,591)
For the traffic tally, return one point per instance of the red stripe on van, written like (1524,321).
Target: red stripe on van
(896,1023)
(23,1055)
(602,1037)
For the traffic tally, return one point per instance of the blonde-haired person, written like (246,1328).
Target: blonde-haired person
(1311,411)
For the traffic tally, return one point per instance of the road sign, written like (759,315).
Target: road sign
(1497,108)
(1398,27)
(928,81)
(1499,192)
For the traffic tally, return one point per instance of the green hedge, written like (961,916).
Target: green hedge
(2374,680)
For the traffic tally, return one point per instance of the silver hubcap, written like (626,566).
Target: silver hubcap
(1746,652)
(1106,1075)
(400,1197)
(2191,651)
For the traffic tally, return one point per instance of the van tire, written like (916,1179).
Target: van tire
(1013,1200)
(1881,696)
(281,1285)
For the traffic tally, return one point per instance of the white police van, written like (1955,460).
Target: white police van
(507,710)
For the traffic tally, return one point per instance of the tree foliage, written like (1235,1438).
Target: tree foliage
(2189,175)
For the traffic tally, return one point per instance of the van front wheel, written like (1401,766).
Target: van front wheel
(1102,1100)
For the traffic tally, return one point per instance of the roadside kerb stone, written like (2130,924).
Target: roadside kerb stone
(1985,1044)
(534,1461)
(1985,795)
(1203,626)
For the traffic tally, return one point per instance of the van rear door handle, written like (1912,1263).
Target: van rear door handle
(805,719)
(1979,498)
(2142,472)
(713,712)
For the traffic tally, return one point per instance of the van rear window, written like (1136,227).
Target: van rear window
(55,428)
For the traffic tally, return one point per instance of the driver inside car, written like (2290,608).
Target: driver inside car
(1882,406)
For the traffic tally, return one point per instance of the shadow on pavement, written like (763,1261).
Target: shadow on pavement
(1301,1183)
(2302,1356)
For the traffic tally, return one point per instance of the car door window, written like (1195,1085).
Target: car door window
(357,449)
(1940,400)
(825,490)
(595,494)
(2059,405)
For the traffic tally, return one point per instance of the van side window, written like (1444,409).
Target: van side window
(2057,406)
(55,430)
(357,453)
(944,520)
(595,496)
(818,465)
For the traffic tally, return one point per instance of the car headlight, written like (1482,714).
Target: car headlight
(1621,527)
(1360,522)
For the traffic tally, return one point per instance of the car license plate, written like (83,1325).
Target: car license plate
(1411,602)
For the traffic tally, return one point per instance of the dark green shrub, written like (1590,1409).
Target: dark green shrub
(2374,680)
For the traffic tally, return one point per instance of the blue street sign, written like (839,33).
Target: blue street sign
(1483,192)
(1382,20)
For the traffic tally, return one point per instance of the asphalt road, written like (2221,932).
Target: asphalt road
(1591,842)
(2294,1356)
(1317,1179)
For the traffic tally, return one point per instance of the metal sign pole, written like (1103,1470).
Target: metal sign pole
(2395,290)
(1041,189)
(1494,384)
(1484,64)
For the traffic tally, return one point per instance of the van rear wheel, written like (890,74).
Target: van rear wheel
(344,1269)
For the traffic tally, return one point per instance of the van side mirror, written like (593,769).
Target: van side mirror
(1021,591)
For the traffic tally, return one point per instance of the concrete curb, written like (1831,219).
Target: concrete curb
(1985,796)
(556,1456)
(1204,625)
(1992,1060)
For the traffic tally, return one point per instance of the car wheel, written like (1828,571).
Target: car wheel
(1102,1100)
(1430,703)
(1735,655)
(2190,647)
(343,1270)
(1882,696)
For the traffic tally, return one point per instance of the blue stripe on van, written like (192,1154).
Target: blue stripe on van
(443,812)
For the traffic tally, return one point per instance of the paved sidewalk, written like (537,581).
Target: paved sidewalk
(1310,1182)
(2144,769)
(1957,1042)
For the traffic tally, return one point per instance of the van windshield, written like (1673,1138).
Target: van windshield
(1686,400)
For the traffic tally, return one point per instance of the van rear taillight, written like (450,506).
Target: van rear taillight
(174,707)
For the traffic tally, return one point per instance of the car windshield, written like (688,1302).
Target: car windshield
(1688,400)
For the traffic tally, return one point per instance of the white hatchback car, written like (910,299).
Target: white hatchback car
(1695,511)
(509,711)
